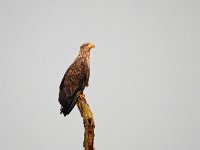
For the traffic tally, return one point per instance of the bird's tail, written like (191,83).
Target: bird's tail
(67,104)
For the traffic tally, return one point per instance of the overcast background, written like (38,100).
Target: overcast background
(145,73)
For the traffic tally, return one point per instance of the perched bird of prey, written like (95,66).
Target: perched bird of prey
(75,79)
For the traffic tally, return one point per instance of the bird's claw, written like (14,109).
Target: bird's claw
(82,96)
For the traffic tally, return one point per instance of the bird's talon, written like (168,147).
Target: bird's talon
(82,96)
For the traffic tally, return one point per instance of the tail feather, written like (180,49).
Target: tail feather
(69,104)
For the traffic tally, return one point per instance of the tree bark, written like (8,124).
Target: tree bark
(88,122)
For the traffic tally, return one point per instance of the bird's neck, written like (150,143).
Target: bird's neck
(84,54)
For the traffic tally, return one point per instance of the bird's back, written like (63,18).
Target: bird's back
(74,80)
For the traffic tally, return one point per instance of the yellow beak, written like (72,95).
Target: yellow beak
(91,45)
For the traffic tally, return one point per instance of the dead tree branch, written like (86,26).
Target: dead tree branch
(88,122)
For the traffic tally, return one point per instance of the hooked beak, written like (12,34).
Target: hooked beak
(91,45)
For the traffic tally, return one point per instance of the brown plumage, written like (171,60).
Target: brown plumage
(75,79)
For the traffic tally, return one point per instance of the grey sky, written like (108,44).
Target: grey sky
(144,84)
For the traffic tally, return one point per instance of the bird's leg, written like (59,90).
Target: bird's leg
(80,94)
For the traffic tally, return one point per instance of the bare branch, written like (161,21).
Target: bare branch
(88,122)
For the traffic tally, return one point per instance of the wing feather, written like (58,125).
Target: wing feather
(74,80)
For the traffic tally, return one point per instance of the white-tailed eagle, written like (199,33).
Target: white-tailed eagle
(75,79)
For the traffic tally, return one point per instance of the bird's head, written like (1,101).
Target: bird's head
(86,47)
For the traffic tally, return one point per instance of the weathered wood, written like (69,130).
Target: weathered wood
(88,122)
